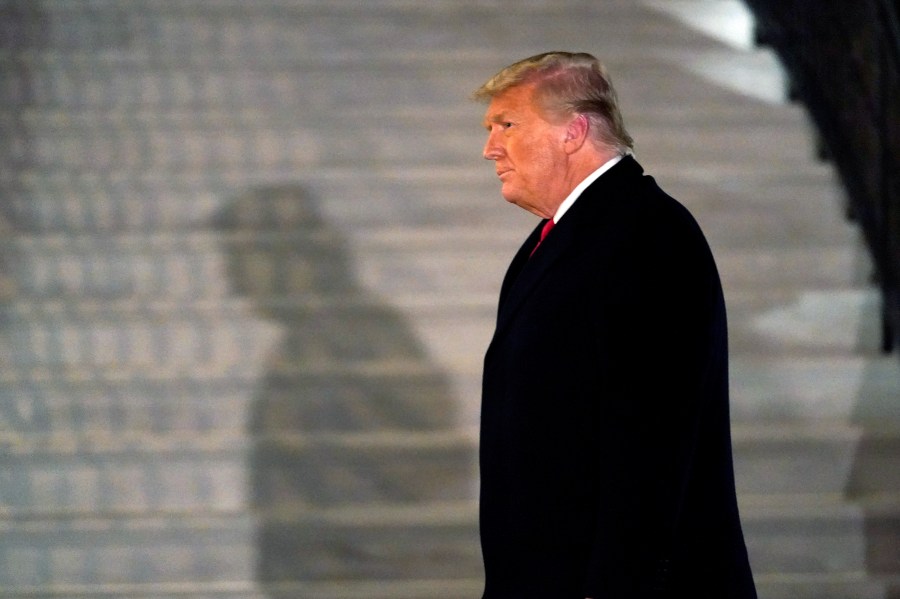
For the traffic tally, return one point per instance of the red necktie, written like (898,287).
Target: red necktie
(547,226)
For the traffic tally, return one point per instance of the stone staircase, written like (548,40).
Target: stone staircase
(249,269)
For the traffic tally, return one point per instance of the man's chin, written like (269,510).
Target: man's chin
(510,196)
(517,200)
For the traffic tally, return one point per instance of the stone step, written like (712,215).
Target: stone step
(102,343)
(134,470)
(788,537)
(318,339)
(304,145)
(282,337)
(406,198)
(104,551)
(855,585)
(192,266)
(836,321)
(288,31)
(794,266)
(774,586)
(111,202)
(390,542)
(732,218)
(157,129)
(649,113)
(120,86)
(310,87)
(779,322)
(828,458)
(223,335)
(806,189)
(312,146)
(790,265)
(376,6)
(773,388)
(141,473)
(101,401)
(213,347)
(351,400)
(718,179)
(123,124)
(208,264)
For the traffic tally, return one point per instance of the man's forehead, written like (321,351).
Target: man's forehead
(512,102)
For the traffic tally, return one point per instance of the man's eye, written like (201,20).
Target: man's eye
(507,125)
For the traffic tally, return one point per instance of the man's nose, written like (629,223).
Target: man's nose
(492,150)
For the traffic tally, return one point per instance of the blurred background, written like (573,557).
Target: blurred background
(249,263)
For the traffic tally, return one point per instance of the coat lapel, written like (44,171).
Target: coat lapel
(525,273)
(518,263)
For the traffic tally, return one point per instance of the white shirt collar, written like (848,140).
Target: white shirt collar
(579,189)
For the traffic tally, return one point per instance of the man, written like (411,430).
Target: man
(606,467)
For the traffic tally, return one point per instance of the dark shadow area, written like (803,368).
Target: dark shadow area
(350,414)
(875,472)
(23,30)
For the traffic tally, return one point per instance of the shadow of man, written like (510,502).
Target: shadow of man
(350,413)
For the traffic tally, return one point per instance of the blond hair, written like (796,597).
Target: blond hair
(566,84)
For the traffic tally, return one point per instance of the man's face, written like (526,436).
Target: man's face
(527,150)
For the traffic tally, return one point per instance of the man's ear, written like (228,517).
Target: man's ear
(577,133)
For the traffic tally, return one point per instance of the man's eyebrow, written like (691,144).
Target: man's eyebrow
(501,117)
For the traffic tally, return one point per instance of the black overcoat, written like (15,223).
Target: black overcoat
(605,456)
